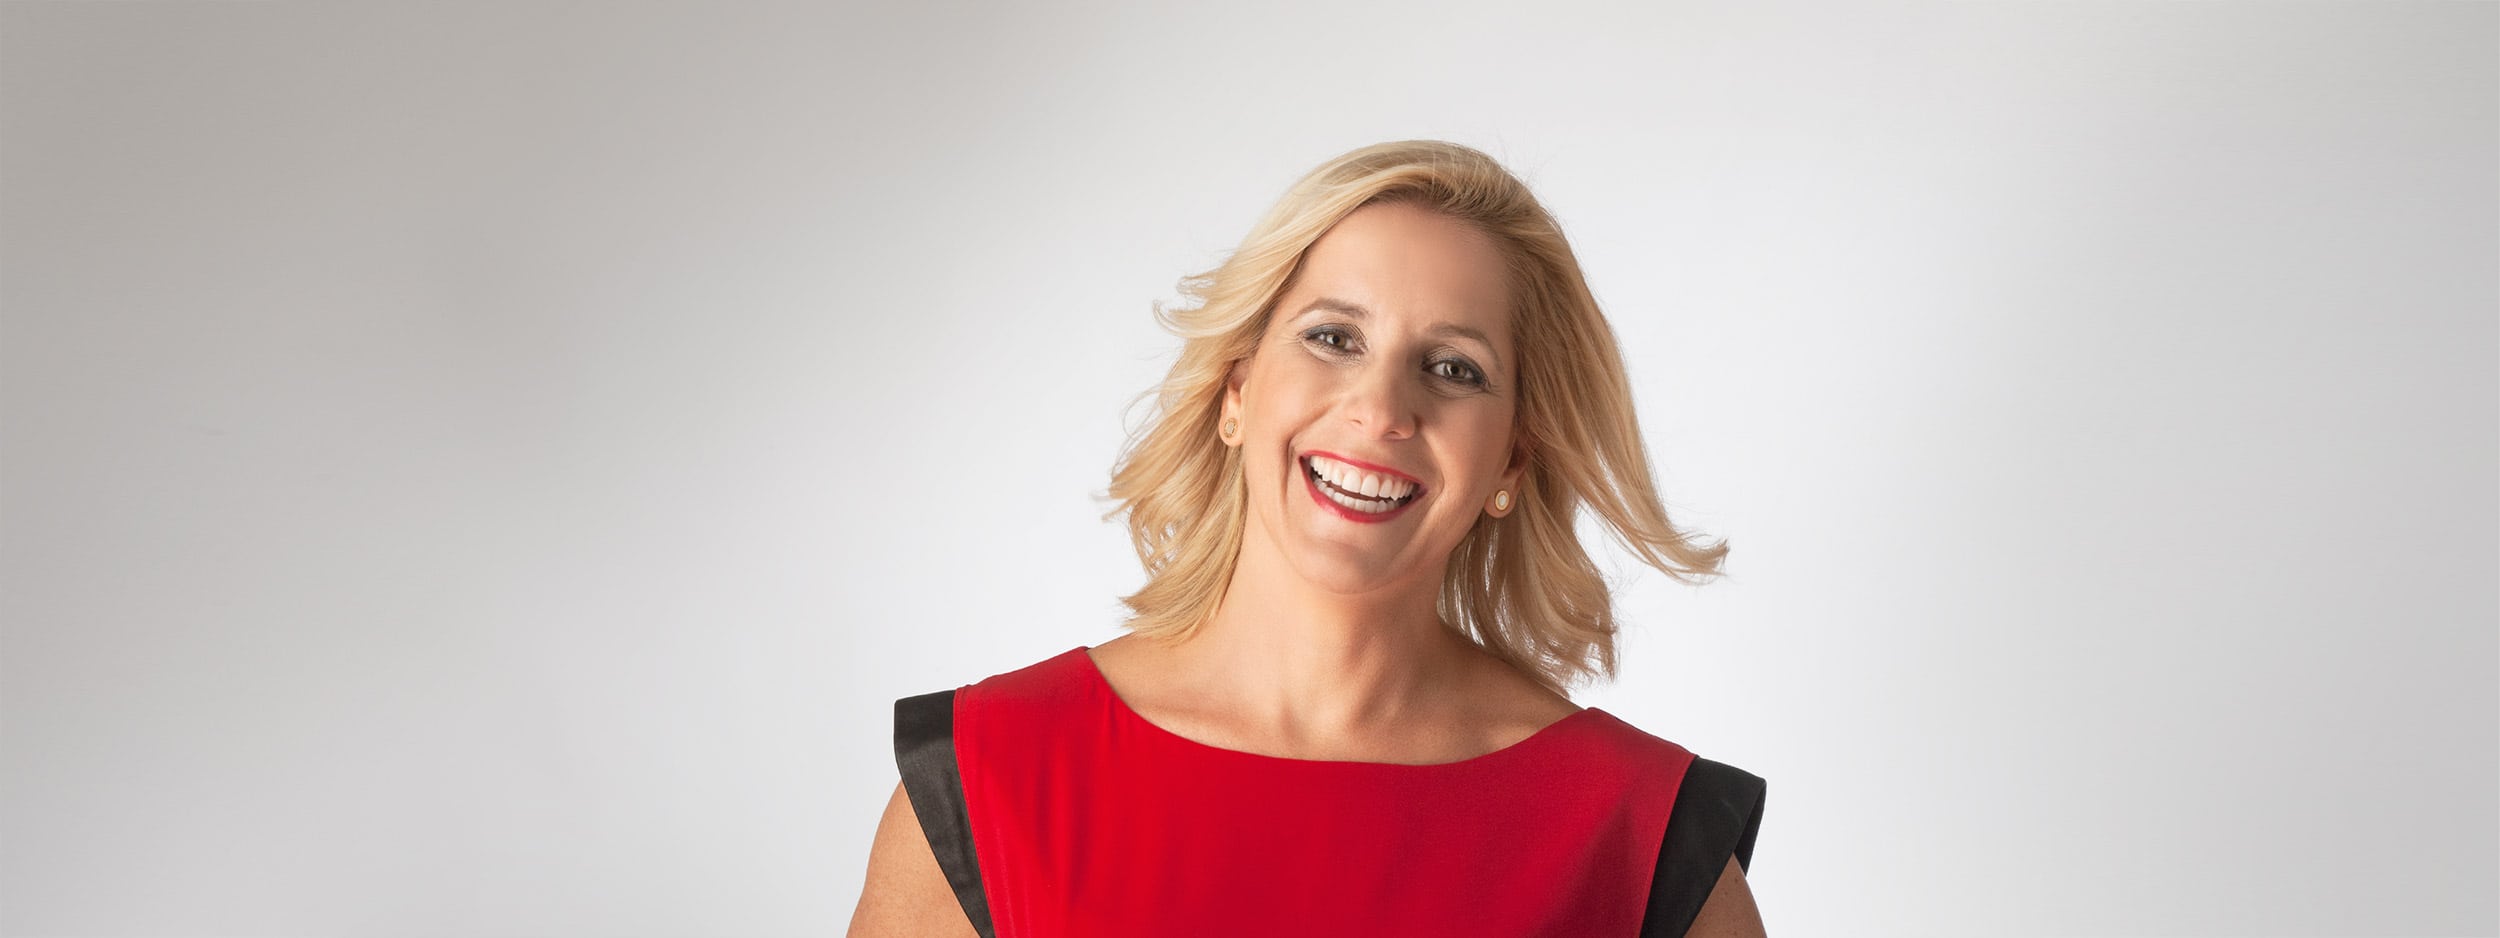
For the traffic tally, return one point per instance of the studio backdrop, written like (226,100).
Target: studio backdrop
(489,469)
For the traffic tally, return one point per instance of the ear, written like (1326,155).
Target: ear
(1518,467)
(1230,409)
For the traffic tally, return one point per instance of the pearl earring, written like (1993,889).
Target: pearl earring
(1501,500)
(1230,425)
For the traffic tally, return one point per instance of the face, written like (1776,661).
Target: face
(1376,415)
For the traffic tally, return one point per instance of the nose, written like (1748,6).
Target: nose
(1382,402)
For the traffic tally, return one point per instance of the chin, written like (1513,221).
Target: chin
(1339,584)
(1348,570)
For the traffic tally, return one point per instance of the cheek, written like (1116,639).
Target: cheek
(1286,392)
(1487,432)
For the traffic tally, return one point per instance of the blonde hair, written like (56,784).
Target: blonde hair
(1520,586)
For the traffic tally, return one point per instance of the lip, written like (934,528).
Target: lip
(1366,467)
(1358,517)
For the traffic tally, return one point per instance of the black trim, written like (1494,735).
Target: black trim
(924,748)
(1718,809)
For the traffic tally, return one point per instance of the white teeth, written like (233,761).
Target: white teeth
(1331,495)
(1368,507)
(1374,488)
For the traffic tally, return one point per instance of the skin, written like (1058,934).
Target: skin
(1392,346)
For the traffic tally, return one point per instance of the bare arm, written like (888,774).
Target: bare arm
(1729,912)
(907,895)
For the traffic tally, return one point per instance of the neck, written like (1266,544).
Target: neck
(1309,664)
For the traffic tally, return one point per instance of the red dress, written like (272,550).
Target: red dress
(1084,819)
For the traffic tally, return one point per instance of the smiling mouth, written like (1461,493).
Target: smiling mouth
(1354,500)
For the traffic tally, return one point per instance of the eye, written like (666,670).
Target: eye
(1457,369)
(1332,337)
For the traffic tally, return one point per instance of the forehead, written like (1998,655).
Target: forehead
(1411,267)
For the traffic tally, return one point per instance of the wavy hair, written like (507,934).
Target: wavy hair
(1521,586)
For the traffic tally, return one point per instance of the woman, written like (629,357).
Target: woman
(1341,706)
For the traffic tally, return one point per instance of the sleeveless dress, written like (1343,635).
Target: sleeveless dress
(1055,810)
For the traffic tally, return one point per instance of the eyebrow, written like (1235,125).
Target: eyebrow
(1356,310)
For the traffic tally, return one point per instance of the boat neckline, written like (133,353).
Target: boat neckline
(1103,683)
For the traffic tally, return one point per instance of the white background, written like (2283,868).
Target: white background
(490,469)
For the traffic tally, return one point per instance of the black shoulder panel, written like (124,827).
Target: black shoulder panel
(924,748)
(1718,810)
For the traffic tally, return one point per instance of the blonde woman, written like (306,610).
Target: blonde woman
(1341,707)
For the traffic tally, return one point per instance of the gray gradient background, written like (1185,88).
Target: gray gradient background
(489,469)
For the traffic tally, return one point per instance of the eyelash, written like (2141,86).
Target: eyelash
(1474,377)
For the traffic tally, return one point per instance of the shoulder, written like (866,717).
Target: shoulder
(1701,783)
(1006,714)
(1696,774)
(1633,742)
(1640,768)
(1058,677)
(929,727)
